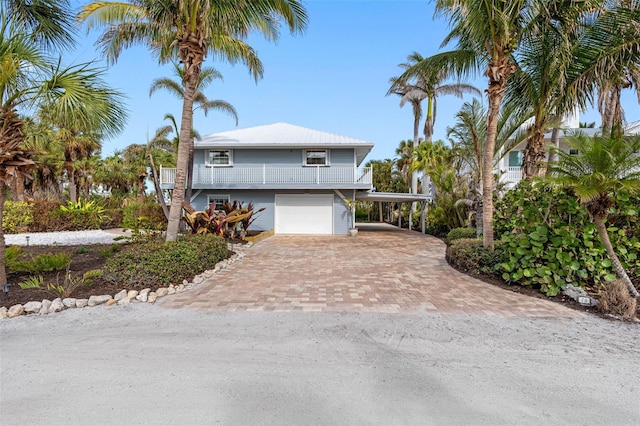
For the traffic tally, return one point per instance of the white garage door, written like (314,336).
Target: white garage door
(304,214)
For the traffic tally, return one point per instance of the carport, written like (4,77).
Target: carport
(395,197)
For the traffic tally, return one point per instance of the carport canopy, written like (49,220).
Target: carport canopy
(398,197)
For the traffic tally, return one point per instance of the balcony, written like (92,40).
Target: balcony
(268,177)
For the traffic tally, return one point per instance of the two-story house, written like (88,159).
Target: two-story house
(302,177)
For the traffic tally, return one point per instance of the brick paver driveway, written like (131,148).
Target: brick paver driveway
(383,269)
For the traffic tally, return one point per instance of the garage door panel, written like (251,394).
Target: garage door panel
(304,214)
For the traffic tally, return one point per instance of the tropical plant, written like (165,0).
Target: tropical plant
(62,288)
(605,166)
(425,85)
(487,33)
(200,100)
(403,161)
(187,31)
(214,222)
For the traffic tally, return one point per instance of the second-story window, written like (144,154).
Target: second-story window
(316,157)
(219,158)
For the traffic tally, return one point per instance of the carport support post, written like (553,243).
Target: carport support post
(410,224)
(400,215)
(423,206)
(380,205)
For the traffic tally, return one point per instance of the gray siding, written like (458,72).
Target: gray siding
(343,157)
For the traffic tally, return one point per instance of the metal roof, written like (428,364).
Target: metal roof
(283,135)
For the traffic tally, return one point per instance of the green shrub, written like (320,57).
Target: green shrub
(147,216)
(17,217)
(44,217)
(12,255)
(550,239)
(108,252)
(156,263)
(112,218)
(46,262)
(457,233)
(469,255)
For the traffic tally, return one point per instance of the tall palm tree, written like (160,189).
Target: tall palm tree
(200,100)
(425,85)
(552,63)
(487,33)
(187,30)
(605,166)
(408,93)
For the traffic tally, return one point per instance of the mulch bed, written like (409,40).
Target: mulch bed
(83,258)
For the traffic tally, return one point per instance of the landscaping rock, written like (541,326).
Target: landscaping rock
(81,303)
(144,295)
(98,300)
(124,301)
(161,292)
(121,295)
(111,302)
(56,306)
(152,297)
(15,310)
(4,312)
(579,295)
(132,294)
(185,282)
(32,307)
(69,302)
(171,290)
(45,307)
(180,288)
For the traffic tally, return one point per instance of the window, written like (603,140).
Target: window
(515,159)
(316,157)
(219,158)
(573,152)
(218,201)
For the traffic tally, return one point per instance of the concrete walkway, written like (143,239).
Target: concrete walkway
(383,269)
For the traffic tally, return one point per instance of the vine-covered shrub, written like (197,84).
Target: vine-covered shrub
(469,255)
(457,233)
(17,217)
(550,240)
(142,265)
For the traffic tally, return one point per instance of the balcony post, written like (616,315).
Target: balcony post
(317,175)
(264,174)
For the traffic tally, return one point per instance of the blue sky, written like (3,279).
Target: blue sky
(332,78)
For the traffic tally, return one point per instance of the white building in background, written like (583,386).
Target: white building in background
(510,165)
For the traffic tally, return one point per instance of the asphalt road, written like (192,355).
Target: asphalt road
(144,364)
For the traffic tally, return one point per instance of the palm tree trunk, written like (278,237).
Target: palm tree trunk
(192,63)
(604,237)
(534,153)
(156,184)
(498,71)
(555,141)
(3,272)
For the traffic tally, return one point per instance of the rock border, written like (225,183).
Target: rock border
(124,297)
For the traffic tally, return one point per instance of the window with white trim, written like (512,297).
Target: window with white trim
(218,201)
(219,158)
(316,157)
(573,151)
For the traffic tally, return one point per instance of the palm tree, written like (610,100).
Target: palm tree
(187,31)
(487,33)
(425,85)
(605,166)
(408,93)
(551,63)
(95,111)
(207,76)
(404,151)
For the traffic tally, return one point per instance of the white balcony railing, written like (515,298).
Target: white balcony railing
(267,175)
(513,174)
